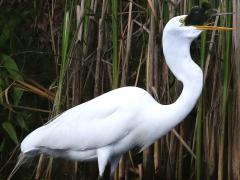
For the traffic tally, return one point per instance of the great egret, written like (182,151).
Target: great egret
(106,127)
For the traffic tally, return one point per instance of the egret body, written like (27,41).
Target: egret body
(109,125)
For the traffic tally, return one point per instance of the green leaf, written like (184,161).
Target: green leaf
(14,72)
(11,66)
(21,122)
(2,144)
(4,36)
(8,127)
(17,95)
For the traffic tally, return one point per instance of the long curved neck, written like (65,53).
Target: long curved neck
(178,58)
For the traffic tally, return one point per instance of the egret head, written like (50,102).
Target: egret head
(179,33)
(185,26)
(190,26)
(177,28)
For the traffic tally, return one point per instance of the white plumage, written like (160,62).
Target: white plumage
(106,127)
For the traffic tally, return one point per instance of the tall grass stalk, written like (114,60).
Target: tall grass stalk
(148,161)
(100,47)
(64,61)
(86,5)
(115,62)
(128,45)
(235,163)
(199,118)
(228,96)
(226,79)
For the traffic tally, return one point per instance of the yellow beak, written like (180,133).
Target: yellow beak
(213,28)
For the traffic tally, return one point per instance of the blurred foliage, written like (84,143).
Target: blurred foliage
(21,61)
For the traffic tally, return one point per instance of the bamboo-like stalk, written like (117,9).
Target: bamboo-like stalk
(235,166)
(79,14)
(53,44)
(199,118)
(128,46)
(86,7)
(229,97)
(122,164)
(180,158)
(115,63)
(147,154)
(226,60)
(100,47)
(64,62)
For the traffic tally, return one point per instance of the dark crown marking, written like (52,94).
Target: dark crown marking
(198,15)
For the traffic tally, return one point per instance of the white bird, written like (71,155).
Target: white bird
(109,125)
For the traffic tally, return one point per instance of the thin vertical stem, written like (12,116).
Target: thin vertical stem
(235,163)
(115,62)
(226,60)
(200,117)
(99,48)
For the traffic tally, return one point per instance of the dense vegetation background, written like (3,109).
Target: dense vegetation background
(56,54)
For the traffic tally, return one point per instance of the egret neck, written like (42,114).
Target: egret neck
(176,50)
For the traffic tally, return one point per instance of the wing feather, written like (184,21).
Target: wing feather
(88,135)
(97,123)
